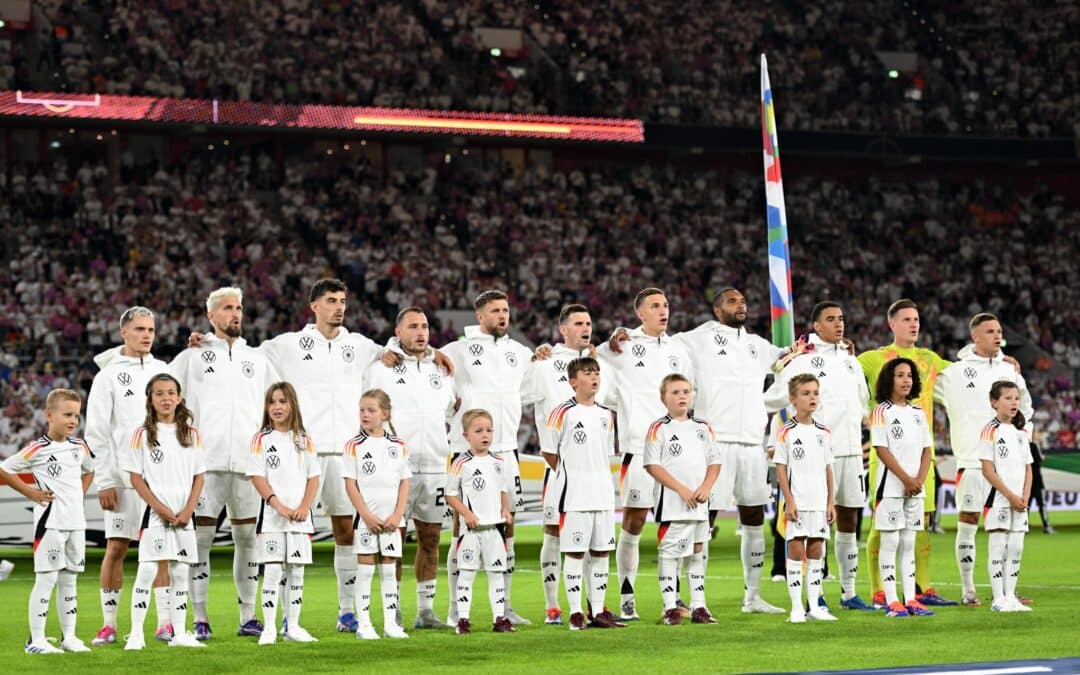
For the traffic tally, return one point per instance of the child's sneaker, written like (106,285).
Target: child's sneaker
(798,615)
(298,633)
(515,618)
(73,644)
(105,636)
(253,628)
(1002,605)
(136,642)
(165,633)
(896,611)
(1017,605)
(701,615)
(268,637)
(554,617)
(503,625)
(820,613)
(577,621)
(365,631)
(463,627)
(672,617)
(42,648)
(392,630)
(185,639)
(970,599)
(878,601)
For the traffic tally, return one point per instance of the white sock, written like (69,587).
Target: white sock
(815,572)
(572,583)
(452,578)
(995,563)
(465,580)
(178,576)
(245,569)
(752,552)
(161,602)
(1013,553)
(695,574)
(890,541)
(425,596)
(284,599)
(295,598)
(965,555)
(200,571)
(40,595)
(345,569)
(626,563)
(549,570)
(794,582)
(271,588)
(362,587)
(666,569)
(67,603)
(388,584)
(110,605)
(508,576)
(598,577)
(140,595)
(847,561)
(496,594)
(907,564)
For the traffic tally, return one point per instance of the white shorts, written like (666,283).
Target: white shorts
(386,544)
(581,531)
(549,500)
(123,521)
(168,543)
(57,550)
(483,547)
(636,486)
(427,499)
(290,548)
(744,477)
(1001,516)
(333,500)
(899,513)
(676,539)
(228,490)
(972,489)
(517,495)
(848,479)
(811,525)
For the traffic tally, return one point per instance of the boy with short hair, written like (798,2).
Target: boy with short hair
(682,456)
(804,471)
(62,466)
(476,488)
(584,438)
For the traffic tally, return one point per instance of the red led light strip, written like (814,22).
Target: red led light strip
(240,113)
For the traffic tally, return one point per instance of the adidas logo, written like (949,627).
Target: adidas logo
(110,603)
(574,589)
(295,554)
(551,578)
(497,563)
(209,369)
(401,380)
(668,589)
(463,598)
(798,441)
(308,357)
(722,352)
(390,547)
(966,559)
(477,363)
(795,584)
(821,374)
(268,604)
(563,379)
(128,393)
(970,385)
(181,553)
(478,472)
(71,612)
(579,425)
(367,455)
(141,605)
(889,578)
(674,438)
(896,421)
(639,364)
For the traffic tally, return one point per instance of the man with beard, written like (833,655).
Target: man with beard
(490,369)
(224,383)
(423,399)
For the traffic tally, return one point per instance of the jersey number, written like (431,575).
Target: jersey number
(517,484)
(440,497)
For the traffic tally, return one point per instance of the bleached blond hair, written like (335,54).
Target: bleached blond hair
(215,298)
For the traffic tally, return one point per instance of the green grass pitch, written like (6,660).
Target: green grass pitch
(739,643)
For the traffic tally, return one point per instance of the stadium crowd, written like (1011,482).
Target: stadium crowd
(86,246)
(989,67)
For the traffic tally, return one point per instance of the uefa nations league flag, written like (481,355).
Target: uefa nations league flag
(783,324)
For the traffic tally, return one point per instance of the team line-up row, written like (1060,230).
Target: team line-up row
(717,371)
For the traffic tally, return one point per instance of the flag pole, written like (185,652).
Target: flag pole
(783,323)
